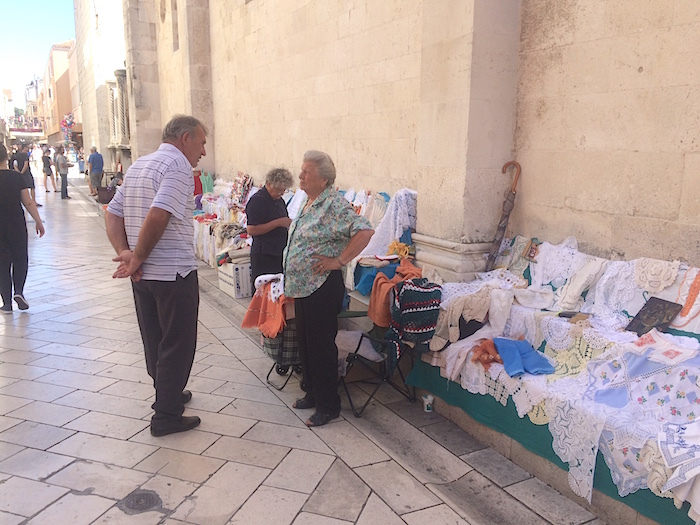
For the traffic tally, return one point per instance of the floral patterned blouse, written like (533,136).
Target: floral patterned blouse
(325,228)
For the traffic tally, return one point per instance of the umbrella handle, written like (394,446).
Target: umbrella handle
(517,173)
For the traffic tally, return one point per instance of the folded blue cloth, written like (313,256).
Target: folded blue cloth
(520,357)
(364,276)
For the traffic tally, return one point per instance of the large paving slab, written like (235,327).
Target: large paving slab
(410,447)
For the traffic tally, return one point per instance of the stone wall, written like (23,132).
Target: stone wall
(607,126)
(424,94)
(142,77)
(401,93)
(343,77)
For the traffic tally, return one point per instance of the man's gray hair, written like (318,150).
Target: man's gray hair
(93,149)
(324,163)
(181,124)
(279,178)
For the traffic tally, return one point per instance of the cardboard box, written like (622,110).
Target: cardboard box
(235,280)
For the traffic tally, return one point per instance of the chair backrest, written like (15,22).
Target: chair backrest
(104,195)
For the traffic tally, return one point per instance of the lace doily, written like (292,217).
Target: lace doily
(525,323)
(452,291)
(654,275)
(556,263)
(651,458)
(400,215)
(615,289)
(476,380)
(526,391)
(576,433)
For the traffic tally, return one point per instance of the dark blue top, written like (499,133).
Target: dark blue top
(261,209)
(96,162)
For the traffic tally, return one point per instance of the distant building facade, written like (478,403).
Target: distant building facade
(100,55)
(54,101)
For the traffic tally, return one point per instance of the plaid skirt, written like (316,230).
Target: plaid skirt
(284,349)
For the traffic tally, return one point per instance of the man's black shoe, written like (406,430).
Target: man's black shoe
(186,397)
(163,427)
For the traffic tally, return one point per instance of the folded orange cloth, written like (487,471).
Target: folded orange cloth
(378,310)
(485,353)
(264,313)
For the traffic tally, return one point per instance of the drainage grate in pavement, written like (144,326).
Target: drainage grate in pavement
(140,501)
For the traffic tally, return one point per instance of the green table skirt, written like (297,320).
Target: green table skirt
(537,439)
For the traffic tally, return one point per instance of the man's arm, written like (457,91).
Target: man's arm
(151,231)
(116,233)
(25,166)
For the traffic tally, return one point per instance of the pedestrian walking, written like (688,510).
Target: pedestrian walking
(96,166)
(48,173)
(20,162)
(62,166)
(14,254)
(149,223)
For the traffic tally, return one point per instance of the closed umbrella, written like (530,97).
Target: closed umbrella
(503,223)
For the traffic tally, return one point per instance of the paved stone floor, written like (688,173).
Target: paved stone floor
(75,408)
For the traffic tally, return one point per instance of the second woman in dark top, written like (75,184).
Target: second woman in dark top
(268,222)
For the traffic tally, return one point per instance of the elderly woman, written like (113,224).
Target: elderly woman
(268,222)
(325,236)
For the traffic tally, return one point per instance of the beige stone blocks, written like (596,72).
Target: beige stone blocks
(440,202)
(546,23)
(690,202)
(442,137)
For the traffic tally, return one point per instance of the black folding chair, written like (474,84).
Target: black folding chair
(381,370)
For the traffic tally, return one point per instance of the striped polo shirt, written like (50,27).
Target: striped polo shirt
(162,179)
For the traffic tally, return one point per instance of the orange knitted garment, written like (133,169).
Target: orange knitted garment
(265,314)
(378,310)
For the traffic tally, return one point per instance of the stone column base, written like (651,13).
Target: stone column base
(453,262)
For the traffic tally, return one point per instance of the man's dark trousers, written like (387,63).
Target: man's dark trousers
(167,315)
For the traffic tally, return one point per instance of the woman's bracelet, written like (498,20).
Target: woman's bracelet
(339,261)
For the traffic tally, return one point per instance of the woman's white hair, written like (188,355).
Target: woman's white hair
(323,162)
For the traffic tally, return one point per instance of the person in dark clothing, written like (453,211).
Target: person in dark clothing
(268,222)
(325,236)
(48,173)
(14,258)
(20,162)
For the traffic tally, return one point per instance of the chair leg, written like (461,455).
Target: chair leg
(355,411)
(273,385)
(409,392)
(403,388)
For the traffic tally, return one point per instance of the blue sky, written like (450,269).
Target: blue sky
(29,29)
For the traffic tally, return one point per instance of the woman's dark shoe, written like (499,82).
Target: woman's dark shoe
(318,419)
(163,427)
(6,309)
(22,303)
(301,404)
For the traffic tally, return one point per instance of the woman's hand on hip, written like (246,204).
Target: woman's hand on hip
(325,264)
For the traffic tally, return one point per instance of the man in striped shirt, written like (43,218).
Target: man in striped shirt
(149,223)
